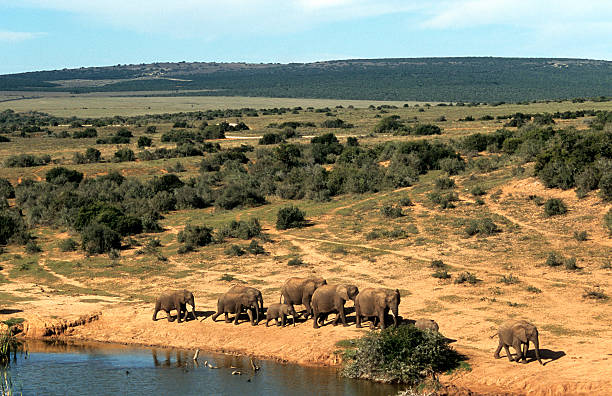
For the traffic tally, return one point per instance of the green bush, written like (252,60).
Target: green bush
(90,156)
(271,138)
(400,355)
(608,221)
(255,248)
(151,129)
(605,185)
(452,166)
(12,227)
(580,236)
(438,264)
(195,235)
(441,274)
(554,207)
(6,189)
(391,211)
(290,217)
(61,175)
(87,133)
(240,229)
(444,183)
(509,279)
(484,227)
(296,262)
(124,155)
(445,200)
(144,141)
(467,277)
(234,250)
(26,160)
(405,201)
(98,238)
(68,245)
(32,247)
(477,191)
(336,123)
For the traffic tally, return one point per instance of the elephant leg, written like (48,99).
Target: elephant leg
(237,311)
(357,319)
(215,316)
(382,320)
(508,353)
(267,322)
(519,352)
(283,320)
(525,349)
(170,318)
(306,303)
(227,319)
(498,350)
(342,316)
(315,317)
(251,319)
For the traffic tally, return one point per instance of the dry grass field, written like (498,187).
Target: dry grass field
(349,240)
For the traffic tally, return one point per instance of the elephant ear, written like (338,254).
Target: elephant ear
(342,292)
(521,333)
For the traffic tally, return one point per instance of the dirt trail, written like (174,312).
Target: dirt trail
(64,279)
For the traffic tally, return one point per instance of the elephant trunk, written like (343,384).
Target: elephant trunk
(257,313)
(395,315)
(536,345)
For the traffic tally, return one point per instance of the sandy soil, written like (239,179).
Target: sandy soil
(575,333)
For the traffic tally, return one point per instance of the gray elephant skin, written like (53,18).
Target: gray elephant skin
(253,292)
(518,333)
(376,302)
(331,298)
(299,291)
(280,311)
(426,324)
(235,303)
(177,300)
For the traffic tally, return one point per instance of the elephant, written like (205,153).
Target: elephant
(377,302)
(175,300)
(426,324)
(299,291)
(252,292)
(331,298)
(282,311)
(235,302)
(517,333)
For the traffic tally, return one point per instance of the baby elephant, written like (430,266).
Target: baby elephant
(280,311)
(177,300)
(517,333)
(426,324)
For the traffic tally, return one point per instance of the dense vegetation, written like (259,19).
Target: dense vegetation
(428,79)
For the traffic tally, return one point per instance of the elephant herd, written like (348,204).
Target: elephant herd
(320,299)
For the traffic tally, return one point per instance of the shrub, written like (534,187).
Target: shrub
(12,227)
(406,201)
(124,155)
(234,250)
(391,211)
(151,129)
(580,236)
(144,141)
(484,227)
(426,129)
(26,160)
(605,186)
(595,294)
(240,194)
(352,141)
(169,183)
(336,123)
(255,248)
(441,274)
(570,264)
(554,259)
(227,278)
(6,189)
(61,175)
(4,139)
(444,200)
(444,183)
(32,247)
(608,221)
(554,207)
(90,156)
(296,262)
(195,235)
(68,245)
(400,355)
(509,279)
(452,166)
(87,133)
(290,217)
(240,229)
(467,277)
(98,238)
(124,132)
(438,264)
(271,138)
(533,289)
(477,191)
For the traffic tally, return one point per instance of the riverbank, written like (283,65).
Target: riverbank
(571,372)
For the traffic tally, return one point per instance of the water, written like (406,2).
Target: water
(98,369)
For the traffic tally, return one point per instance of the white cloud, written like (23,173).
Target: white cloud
(14,37)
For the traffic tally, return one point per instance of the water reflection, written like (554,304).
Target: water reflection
(66,368)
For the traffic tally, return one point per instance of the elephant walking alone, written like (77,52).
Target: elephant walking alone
(517,333)
(376,302)
(299,291)
(331,298)
(177,300)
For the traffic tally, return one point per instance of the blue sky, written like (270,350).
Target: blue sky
(53,34)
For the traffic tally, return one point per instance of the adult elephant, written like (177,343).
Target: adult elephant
(177,300)
(234,303)
(518,333)
(331,298)
(377,302)
(299,291)
(253,292)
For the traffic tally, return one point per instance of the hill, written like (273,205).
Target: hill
(423,79)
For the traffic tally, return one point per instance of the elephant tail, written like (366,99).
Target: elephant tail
(493,336)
